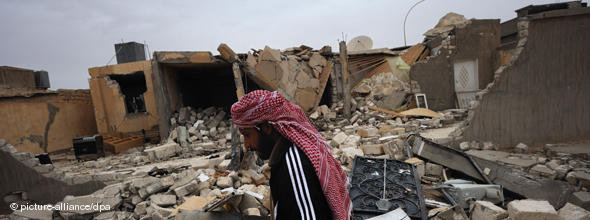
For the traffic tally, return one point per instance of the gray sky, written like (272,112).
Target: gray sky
(68,37)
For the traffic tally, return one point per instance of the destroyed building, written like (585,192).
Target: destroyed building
(480,120)
(39,120)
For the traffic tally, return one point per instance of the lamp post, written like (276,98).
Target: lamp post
(407,18)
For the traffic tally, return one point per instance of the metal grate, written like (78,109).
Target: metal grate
(402,188)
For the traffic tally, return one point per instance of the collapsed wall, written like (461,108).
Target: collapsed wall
(541,96)
(123,97)
(472,40)
(298,73)
(25,179)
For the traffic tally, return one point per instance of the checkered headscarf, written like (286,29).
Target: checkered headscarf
(288,118)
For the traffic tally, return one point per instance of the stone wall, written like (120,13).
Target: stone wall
(41,183)
(541,96)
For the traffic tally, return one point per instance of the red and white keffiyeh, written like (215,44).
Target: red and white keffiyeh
(289,119)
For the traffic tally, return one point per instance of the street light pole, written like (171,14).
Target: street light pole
(407,18)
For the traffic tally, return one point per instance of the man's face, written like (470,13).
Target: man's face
(259,141)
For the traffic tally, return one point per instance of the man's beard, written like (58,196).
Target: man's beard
(265,145)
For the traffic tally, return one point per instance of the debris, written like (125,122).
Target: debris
(162,152)
(193,203)
(455,213)
(573,212)
(88,147)
(485,210)
(386,111)
(445,156)
(531,210)
(521,148)
(419,164)
(397,214)
(581,199)
(461,192)
(163,200)
(421,112)
(414,53)
(432,169)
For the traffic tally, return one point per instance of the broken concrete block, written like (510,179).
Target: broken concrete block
(339,138)
(139,183)
(214,193)
(543,171)
(531,210)
(553,164)
(248,201)
(578,177)
(204,192)
(485,210)
(368,132)
(348,154)
(315,115)
(573,212)
(352,140)
(464,146)
(140,208)
(182,136)
(521,148)
(191,187)
(252,212)
(152,188)
(581,199)
(9,148)
(372,149)
(432,169)
(163,200)
(160,211)
(419,165)
(488,145)
(269,54)
(81,179)
(264,190)
(224,182)
(223,165)
(163,152)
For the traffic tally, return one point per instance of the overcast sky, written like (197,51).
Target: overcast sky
(66,38)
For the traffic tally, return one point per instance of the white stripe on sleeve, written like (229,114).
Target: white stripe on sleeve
(293,183)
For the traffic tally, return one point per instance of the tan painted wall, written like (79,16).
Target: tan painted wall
(109,105)
(25,122)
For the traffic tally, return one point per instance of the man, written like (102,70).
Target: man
(306,181)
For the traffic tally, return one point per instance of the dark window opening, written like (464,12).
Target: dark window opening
(327,95)
(133,87)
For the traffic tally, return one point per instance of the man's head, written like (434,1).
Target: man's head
(289,121)
(260,138)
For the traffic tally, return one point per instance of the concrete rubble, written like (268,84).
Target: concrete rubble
(154,180)
(190,169)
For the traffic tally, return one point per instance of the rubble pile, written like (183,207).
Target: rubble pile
(298,73)
(29,160)
(200,131)
(386,90)
(541,162)
(158,196)
(369,132)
